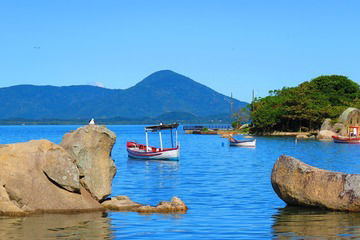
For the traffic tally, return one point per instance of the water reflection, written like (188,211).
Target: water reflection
(150,164)
(300,223)
(94,225)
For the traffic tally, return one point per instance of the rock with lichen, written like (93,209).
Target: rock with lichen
(91,147)
(40,176)
(297,183)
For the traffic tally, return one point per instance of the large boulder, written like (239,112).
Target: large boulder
(328,129)
(326,125)
(326,135)
(340,129)
(40,176)
(58,165)
(297,183)
(91,146)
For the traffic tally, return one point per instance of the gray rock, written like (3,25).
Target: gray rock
(123,203)
(340,129)
(176,205)
(31,180)
(326,125)
(91,147)
(60,167)
(326,135)
(297,183)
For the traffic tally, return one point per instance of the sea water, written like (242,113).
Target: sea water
(227,189)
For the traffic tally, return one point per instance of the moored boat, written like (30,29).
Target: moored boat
(144,151)
(242,143)
(353,137)
(341,139)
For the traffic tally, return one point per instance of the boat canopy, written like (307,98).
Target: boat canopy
(161,127)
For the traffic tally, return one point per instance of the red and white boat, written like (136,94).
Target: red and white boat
(144,151)
(341,139)
(353,137)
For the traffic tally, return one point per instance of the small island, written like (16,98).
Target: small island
(304,108)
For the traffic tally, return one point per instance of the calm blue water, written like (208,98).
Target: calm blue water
(227,190)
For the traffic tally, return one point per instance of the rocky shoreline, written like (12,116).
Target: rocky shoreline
(74,176)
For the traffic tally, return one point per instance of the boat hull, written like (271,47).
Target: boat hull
(153,153)
(348,140)
(246,143)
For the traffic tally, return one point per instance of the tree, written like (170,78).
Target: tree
(305,106)
(241,117)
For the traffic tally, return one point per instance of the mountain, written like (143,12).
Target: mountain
(160,93)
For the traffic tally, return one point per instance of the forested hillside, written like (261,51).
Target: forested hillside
(160,93)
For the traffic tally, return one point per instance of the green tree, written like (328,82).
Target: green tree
(305,106)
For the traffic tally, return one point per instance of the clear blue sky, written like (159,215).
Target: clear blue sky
(229,45)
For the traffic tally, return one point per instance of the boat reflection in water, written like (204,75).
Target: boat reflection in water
(94,225)
(307,223)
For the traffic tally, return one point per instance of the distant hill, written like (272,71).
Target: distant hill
(160,93)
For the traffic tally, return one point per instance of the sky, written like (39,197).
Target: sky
(231,46)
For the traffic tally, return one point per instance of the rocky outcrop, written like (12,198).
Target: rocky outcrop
(40,176)
(340,129)
(326,125)
(123,203)
(297,183)
(91,147)
(328,130)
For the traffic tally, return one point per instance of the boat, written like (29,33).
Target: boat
(92,122)
(342,139)
(242,143)
(146,152)
(352,138)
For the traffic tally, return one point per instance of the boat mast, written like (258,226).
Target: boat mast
(172,142)
(147,140)
(176,138)
(161,144)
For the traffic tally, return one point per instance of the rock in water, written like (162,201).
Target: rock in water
(124,203)
(91,147)
(121,203)
(297,183)
(326,135)
(40,176)
(176,205)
